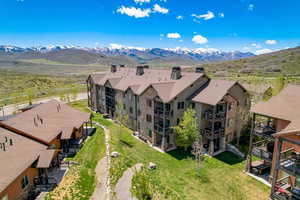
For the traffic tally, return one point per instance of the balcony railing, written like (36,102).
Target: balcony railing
(208,115)
(208,133)
(264,130)
(291,166)
(260,150)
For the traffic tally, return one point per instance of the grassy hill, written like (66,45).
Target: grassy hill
(284,62)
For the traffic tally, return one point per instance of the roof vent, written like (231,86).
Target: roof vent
(139,70)
(176,73)
(113,68)
(200,70)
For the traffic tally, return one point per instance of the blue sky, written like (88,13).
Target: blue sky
(247,25)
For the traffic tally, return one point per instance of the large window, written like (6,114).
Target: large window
(149,118)
(24,182)
(180,105)
(149,103)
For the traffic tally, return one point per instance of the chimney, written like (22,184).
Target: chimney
(113,68)
(139,70)
(176,73)
(199,70)
(122,66)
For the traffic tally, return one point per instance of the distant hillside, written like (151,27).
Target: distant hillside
(286,62)
(122,55)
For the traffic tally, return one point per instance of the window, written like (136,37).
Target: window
(124,106)
(131,110)
(124,94)
(149,118)
(192,105)
(180,105)
(149,103)
(139,113)
(178,121)
(24,182)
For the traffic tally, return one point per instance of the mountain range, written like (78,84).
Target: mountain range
(118,54)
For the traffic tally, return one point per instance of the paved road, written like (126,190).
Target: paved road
(10,109)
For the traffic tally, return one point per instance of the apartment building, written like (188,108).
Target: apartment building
(22,162)
(155,101)
(275,142)
(54,123)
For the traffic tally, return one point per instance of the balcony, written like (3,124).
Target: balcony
(209,134)
(263,130)
(282,189)
(208,115)
(291,165)
(263,151)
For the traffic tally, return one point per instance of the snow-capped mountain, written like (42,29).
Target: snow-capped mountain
(138,54)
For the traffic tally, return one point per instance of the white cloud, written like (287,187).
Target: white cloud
(221,15)
(134,12)
(161,35)
(258,46)
(246,48)
(196,21)
(251,7)
(263,51)
(173,35)
(207,16)
(271,42)
(159,9)
(199,39)
(179,17)
(141,1)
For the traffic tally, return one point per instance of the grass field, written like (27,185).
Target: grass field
(176,176)
(80,181)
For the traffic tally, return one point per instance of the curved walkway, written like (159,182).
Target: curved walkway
(103,190)
(124,184)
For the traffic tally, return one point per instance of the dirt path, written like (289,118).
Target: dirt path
(124,184)
(103,190)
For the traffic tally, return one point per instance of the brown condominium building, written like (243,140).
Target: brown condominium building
(32,144)
(55,124)
(155,101)
(275,140)
(22,162)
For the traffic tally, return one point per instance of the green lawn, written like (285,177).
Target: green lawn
(80,181)
(220,178)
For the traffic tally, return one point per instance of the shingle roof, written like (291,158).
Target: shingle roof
(17,157)
(47,121)
(285,105)
(214,91)
(125,78)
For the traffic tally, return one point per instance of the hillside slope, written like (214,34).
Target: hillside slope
(285,62)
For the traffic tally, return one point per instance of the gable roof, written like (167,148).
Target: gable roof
(18,157)
(125,78)
(214,92)
(285,106)
(46,121)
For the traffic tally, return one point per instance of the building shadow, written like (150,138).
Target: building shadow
(229,158)
(180,154)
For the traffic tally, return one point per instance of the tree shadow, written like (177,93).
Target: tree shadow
(180,154)
(229,158)
(123,142)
